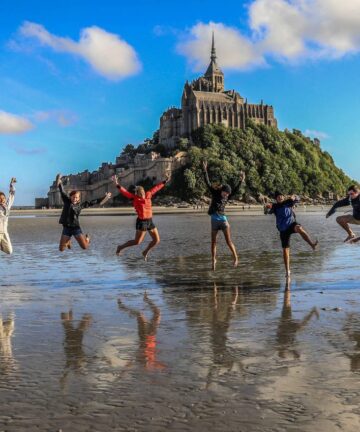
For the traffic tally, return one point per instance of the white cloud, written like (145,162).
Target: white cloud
(63,118)
(316,134)
(289,30)
(108,54)
(13,124)
(307,28)
(234,50)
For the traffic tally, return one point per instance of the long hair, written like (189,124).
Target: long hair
(138,190)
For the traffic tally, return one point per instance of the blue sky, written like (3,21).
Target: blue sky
(69,102)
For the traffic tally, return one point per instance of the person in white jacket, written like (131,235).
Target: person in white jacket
(5,206)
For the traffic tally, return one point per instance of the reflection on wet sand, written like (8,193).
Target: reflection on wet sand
(7,361)
(352,330)
(73,343)
(225,359)
(289,327)
(223,345)
(147,352)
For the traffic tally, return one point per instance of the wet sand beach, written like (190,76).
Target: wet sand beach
(94,342)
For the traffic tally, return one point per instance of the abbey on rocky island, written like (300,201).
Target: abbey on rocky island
(205,101)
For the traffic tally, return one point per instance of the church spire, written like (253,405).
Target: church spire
(213,51)
(213,73)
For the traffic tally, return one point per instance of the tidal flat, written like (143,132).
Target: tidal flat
(94,342)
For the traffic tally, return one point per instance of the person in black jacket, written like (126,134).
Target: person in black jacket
(219,198)
(352,199)
(69,218)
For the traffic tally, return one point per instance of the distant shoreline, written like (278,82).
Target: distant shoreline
(254,210)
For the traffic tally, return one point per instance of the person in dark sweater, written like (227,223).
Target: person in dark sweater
(69,218)
(219,198)
(352,199)
(286,223)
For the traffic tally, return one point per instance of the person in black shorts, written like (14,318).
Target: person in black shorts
(69,218)
(142,202)
(286,223)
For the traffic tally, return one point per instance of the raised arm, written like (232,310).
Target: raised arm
(237,186)
(292,201)
(64,196)
(342,203)
(159,186)
(156,189)
(206,177)
(121,189)
(100,201)
(11,197)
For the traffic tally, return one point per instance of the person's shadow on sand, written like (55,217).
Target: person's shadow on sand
(289,327)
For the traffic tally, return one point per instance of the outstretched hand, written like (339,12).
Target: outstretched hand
(13,180)
(242,176)
(115,179)
(167,177)
(268,205)
(106,198)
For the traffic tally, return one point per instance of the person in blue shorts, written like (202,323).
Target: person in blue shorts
(219,198)
(286,223)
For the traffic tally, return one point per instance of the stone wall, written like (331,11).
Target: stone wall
(95,185)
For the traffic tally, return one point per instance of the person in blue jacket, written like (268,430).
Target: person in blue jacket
(286,223)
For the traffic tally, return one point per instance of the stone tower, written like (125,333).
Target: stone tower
(213,73)
(205,101)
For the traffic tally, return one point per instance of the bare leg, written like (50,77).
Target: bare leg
(343,221)
(139,237)
(83,240)
(64,243)
(213,248)
(300,230)
(286,255)
(229,242)
(154,233)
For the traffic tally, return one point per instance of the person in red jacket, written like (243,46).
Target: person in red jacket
(144,222)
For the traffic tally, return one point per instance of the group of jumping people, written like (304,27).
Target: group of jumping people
(282,208)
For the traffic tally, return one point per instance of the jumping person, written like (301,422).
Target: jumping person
(352,199)
(144,222)
(287,225)
(220,196)
(69,218)
(5,206)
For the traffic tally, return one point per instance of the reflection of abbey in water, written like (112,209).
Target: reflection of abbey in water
(205,101)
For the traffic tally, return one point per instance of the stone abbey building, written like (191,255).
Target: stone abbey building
(205,101)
